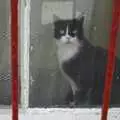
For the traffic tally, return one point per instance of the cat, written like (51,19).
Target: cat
(82,64)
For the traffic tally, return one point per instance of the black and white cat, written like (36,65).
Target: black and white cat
(82,64)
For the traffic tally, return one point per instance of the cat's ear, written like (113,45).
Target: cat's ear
(81,19)
(81,26)
(55,17)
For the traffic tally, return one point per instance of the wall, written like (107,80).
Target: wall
(101,24)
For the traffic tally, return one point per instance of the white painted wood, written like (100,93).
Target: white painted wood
(24,51)
(60,114)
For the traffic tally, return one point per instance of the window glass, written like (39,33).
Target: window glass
(68,52)
(5,79)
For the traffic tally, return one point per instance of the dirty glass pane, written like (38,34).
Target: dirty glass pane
(68,52)
(5,85)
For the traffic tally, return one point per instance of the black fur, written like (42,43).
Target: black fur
(87,68)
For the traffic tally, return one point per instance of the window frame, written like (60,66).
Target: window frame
(73,113)
(24,9)
(25,41)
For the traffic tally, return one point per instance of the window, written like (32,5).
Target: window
(48,87)
(53,64)
(43,82)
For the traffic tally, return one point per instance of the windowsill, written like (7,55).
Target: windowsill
(60,114)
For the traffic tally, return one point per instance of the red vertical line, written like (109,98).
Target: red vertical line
(111,58)
(14,57)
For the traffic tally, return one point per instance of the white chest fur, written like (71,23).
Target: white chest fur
(66,52)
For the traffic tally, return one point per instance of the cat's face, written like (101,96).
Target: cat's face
(68,35)
(68,31)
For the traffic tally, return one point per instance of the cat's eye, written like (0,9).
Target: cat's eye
(62,31)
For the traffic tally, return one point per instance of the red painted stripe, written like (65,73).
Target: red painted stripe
(14,57)
(111,58)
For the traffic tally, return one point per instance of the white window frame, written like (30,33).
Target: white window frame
(24,9)
(42,113)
